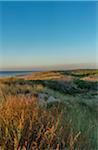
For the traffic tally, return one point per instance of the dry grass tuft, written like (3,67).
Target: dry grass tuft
(25,125)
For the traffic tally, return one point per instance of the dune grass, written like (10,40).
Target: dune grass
(24,125)
(68,124)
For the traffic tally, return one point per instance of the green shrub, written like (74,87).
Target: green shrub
(86,84)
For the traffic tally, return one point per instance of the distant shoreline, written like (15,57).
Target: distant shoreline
(14,73)
(9,74)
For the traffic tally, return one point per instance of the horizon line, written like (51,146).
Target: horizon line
(52,67)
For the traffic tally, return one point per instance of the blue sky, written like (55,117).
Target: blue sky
(34,34)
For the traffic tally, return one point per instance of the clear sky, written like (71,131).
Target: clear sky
(34,34)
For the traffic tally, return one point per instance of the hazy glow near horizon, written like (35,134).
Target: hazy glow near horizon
(47,33)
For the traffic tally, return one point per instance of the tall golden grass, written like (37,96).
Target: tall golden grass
(26,125)
(69,124)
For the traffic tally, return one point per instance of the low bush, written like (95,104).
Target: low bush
(86,84)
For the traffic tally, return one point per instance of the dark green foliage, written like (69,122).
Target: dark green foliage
(86,85)
(81,72)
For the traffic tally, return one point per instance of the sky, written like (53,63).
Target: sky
(41,34)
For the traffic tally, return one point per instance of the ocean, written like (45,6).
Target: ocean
(14,73)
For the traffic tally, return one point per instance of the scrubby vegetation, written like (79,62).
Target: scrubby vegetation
(49,114)
(81,72)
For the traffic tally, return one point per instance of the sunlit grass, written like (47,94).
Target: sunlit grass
(70,123)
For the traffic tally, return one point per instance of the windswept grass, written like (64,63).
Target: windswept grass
(68,124)
(26,125)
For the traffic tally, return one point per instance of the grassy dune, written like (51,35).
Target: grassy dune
(55,110)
